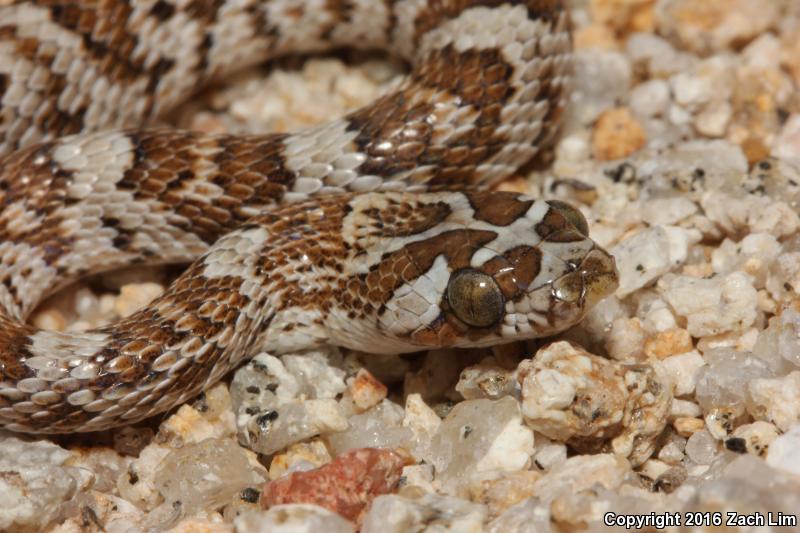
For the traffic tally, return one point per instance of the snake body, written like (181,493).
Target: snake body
(367,232)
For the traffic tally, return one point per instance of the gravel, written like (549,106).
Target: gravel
(679,393)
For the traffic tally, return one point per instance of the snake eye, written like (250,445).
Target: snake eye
(572,214)
(475,298)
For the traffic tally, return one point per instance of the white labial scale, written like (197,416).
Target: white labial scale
(526,322)
(416,304)
(539,301)
(508,328)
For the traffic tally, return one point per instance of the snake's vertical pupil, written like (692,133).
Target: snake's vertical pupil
(475,298)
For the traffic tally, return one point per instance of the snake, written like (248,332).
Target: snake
(379,231)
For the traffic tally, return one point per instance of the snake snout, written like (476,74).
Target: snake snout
(587,281)
(600,278)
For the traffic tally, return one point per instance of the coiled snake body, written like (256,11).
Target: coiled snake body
(334,235)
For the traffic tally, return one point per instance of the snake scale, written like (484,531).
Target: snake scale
(372,232)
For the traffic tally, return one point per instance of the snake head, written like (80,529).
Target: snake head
(480,268)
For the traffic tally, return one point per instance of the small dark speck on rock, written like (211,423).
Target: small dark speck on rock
(624,173)
(736,444)
(670,480)
(90,517)
(200,404)
(266,419)
(250,495)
